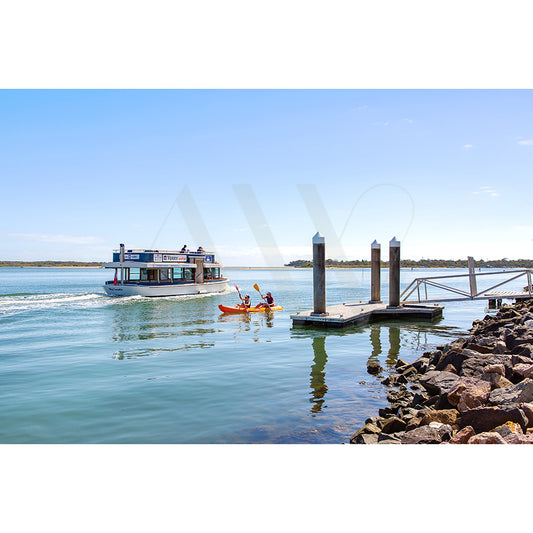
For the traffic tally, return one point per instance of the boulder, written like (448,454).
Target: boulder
(500,348)
(524,370)
(497,381)
(487,418)
(425,435)
(454,357)
(436,382)
(528,411)
(385,438)
(518,438)
(366,429)
(489,437)
(393,425)
(365,438)
(373,367)
(520,393)
(463,435)
(479,348)
(498,368)
(508,428)
(525,350)
(444,416)
(474,365)
(468,393)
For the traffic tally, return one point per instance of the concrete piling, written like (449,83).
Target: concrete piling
(394,273)
(319,275)
(472,276)
(375,272)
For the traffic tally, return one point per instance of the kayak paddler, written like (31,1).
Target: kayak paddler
(269,300)
(246,303)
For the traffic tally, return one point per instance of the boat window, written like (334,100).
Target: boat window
(164,274)
(178,273)
(144,274)
(152,274)
(135,274)
(188,272)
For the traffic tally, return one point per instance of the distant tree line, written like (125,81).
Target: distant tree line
(422,263)
(50,264)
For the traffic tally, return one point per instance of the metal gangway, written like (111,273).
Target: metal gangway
(420,285)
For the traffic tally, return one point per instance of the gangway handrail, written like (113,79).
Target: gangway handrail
(415,285)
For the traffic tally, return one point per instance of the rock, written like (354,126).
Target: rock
(385,438)
(366,429)
(424,435)
(500,348)
(489,437)
(496,381)
(436,382)
(524,370)
(373,367)
(393,425)
(523,349)
(454,357)
(527,408)
(479,348)
(475,364)
(435,357)
(387,412)
(444,416)
(445,430)
(365,438)
(520,393)
(374,420)
(487,418)
(462,436)
(475,396)
(468,393)
(517,359)
(498,368)
(449,368)
(517,438)
(400,362)
(413,423)
(508,428)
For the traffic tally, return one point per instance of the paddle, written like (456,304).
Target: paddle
(246,309)
(256,287)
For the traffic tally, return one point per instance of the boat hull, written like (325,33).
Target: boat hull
(129,289)
(238,310)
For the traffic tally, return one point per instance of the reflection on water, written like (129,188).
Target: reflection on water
(132,354)
(318,376)
(394,346)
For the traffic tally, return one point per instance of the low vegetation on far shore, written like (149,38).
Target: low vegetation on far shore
(97,264)
(421,263)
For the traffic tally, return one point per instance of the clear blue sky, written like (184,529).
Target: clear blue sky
(448,172)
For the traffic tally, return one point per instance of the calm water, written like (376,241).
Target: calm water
(77,366)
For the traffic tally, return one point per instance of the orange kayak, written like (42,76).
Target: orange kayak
(226,309)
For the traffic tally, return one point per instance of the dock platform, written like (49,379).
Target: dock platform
(342,315)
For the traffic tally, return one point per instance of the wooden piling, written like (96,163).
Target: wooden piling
(375,272)
(319,275)
(394,273)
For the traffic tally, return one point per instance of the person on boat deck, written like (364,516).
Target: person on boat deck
(200,250)
(184,249)
(269,301)
(246,303)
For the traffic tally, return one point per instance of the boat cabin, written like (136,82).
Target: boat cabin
(163,267)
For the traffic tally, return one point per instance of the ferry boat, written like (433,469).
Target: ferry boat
(164,273)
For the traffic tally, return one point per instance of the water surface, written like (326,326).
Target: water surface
(77,366)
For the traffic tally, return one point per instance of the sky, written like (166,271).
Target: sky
(255,173)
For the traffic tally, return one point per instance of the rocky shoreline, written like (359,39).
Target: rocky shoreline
(475,390)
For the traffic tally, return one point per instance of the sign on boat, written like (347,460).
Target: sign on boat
(164,273)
